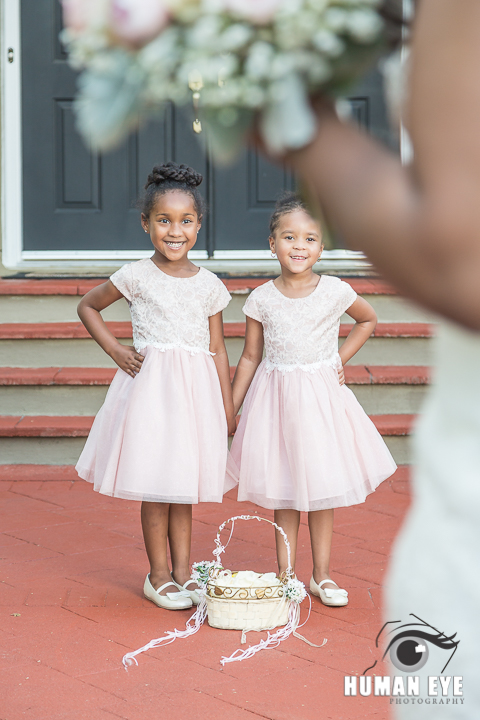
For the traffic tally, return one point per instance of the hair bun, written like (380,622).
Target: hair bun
(171,172)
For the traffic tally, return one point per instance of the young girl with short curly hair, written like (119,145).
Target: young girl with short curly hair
(303,443)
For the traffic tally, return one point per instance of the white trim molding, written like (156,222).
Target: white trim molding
(331,259)
(260,262)
(229,262)
(108,257)
(11,85)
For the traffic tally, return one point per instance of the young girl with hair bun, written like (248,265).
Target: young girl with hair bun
(303,442)
(161,435)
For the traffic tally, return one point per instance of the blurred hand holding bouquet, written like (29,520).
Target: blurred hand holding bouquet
(241,59)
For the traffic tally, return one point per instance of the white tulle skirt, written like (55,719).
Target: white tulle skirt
(161,436)
(305,443)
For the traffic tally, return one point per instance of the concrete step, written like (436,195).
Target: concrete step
(64,309)
(56,301)
(53,391)
(67,330)
(81,391)
(389,390)
(58,440)
(67,344)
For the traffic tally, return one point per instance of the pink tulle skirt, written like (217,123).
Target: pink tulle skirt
(161,436)
(305,443)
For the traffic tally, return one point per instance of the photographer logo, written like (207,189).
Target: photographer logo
(410,646)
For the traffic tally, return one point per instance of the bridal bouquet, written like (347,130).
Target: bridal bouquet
(238,60)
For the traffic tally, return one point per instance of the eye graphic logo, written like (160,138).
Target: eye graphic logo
(408,644)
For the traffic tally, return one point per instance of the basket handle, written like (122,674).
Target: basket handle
(219,549)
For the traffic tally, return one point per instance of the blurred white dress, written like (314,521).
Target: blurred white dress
(435,567)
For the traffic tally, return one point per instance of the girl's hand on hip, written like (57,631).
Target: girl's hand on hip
(341,375)
(127,359)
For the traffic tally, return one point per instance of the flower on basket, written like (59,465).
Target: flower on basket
(201,571)
(295,590)
(239,58)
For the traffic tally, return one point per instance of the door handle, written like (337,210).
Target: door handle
(195,83)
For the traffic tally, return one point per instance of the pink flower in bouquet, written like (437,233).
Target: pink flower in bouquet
(137,21)
(258,12)
(78,15)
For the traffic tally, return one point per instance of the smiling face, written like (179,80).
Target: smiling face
(297,241)
(173,225)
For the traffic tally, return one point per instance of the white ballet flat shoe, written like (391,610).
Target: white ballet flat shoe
(193,594)
(334,597)
(170,601)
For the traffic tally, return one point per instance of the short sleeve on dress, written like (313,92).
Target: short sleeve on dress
(251,308)
(219,299)
(123,281)
(347,296)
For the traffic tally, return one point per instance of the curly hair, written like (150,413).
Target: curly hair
(286,203)
(171,176)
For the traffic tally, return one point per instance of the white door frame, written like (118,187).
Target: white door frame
(69,261)
(12,230)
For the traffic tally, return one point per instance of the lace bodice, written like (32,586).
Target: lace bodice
(301,332)
(167,311)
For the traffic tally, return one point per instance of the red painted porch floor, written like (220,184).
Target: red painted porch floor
(73,567)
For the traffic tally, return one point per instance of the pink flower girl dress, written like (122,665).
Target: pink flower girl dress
(303,441)
(162,436)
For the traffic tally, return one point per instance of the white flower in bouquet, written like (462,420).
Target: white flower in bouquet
(235,37)
(336,19)
(258,63)
(250,57)
(84,34)
(82,15)
(364,25)
(328,43)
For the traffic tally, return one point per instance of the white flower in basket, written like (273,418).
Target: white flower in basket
(243,600)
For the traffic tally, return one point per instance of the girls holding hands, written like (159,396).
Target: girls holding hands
(161,435)
(303,443)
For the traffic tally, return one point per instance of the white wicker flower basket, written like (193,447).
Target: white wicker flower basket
(259,606)
(246,608)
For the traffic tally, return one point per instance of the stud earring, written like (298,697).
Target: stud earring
(274,255)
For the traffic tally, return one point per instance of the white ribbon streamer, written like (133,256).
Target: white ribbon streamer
(273,640)
(193,625)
